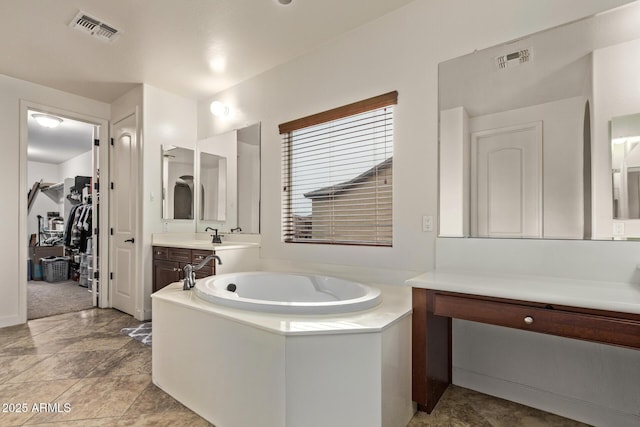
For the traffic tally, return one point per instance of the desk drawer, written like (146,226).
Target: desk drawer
(571,324)
(197,255)
(160,252)
(179,254)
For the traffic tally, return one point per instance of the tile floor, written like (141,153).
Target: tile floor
(99,377)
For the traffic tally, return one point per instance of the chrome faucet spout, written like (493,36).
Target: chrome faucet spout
(190,271)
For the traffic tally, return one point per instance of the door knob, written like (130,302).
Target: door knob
(131,240)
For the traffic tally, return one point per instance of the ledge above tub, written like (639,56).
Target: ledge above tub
(203,241)
(395,306)
(612,296)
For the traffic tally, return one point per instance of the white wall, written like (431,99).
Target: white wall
(414,40)
(11,193)
(43,203)
(80,165)
(167,119)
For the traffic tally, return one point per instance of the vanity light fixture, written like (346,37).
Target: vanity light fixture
(219,109)
(47,120)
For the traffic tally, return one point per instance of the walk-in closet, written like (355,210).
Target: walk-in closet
(62,175)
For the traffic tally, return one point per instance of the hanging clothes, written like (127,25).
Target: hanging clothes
(69,225)
(79,227)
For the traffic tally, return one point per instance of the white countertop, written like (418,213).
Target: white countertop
(396,304)
(191,241)
(613,296)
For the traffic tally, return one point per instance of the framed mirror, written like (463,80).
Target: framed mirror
(526,134)
(213,187)
(229,181)
(178,183)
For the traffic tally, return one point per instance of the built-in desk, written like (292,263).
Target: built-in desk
(604,312)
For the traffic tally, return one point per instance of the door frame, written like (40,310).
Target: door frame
(138,294)
(537,128)
(103,135)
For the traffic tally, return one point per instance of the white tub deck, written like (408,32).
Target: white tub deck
(235,367)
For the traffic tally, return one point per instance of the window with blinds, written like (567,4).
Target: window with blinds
(338,175)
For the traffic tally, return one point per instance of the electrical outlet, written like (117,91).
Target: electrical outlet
(618,228)
(427,223)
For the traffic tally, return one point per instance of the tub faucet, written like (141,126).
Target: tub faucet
(190,271)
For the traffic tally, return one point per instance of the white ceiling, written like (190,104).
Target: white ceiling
(70,139)
(169,44)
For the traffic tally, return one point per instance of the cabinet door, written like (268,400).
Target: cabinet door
(164,273)
(204,272)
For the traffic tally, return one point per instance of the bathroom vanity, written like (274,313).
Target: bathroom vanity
(172,251)
(168,263)
(606,313)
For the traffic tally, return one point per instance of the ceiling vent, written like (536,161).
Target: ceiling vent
(513,59)
(94,27)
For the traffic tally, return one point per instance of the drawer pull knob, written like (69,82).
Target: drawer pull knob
(528,320)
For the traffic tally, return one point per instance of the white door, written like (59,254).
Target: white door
(506,181)
(123,237)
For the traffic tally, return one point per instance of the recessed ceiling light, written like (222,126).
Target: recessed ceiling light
(284,1)
(218,64)
(46,120)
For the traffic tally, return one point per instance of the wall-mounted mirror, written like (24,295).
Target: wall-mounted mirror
(229,181)
(213,187)
(625,166)
(525,143)
(178,184)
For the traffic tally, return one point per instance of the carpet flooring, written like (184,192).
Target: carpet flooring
(48,299)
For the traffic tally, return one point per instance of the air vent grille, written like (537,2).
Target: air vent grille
(94,27)
(514,58)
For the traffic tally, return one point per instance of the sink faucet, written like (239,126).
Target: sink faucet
(190,271)
(215,237)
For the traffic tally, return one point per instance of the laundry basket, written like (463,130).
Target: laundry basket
(55,269)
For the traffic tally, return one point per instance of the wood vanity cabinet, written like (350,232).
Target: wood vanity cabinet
(431,330)
(168,263)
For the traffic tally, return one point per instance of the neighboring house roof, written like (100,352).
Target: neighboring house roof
(348,185)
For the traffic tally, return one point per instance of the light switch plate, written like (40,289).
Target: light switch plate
(427,223)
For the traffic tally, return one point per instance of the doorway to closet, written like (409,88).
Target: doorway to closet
(62,170)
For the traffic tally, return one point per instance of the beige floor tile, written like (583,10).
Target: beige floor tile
(132,359)
(26,395)
(165,419)
(98,341)
(63,366)
(463,407)
(153,400)
(89,422)
(101,397)
(10,366)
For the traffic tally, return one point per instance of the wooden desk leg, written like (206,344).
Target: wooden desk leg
(431,351)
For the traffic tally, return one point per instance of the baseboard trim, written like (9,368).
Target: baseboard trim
(10,320)
(565,406)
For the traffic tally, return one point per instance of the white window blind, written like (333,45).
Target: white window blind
(338,175)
